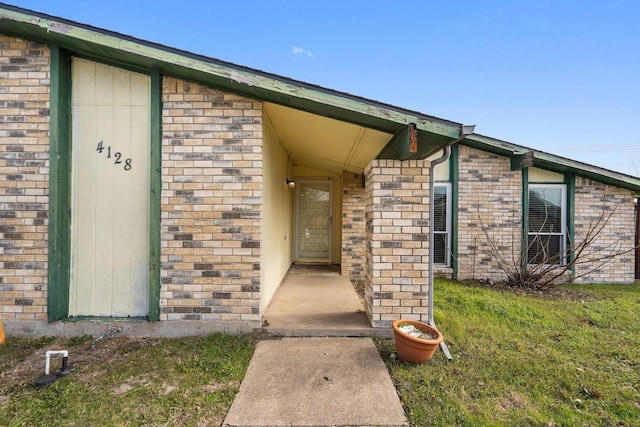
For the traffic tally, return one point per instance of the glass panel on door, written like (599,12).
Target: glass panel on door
(314,223)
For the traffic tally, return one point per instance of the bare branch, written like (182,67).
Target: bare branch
(540,266)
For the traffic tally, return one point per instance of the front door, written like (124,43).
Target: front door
(110,191)
(314,221)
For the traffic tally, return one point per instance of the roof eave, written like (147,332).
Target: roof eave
(553,163)
(95,42)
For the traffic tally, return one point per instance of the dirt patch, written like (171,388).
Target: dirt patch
(511,401)
(153,381)
(214,386)
(106,351)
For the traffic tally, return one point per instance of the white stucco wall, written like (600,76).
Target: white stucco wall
(277,242)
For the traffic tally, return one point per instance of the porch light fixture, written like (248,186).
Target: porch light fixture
(291,184)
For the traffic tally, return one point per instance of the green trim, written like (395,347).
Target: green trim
(490,145)
(155,196)
(59,185)
(548,182)
(398,146)
(525,219)
(87,40)
(521,161)
(570,182)
(454,178)
(552,162)
(60,188)
(562,165)
(111,62)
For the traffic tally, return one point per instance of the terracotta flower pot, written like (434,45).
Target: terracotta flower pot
(412,349)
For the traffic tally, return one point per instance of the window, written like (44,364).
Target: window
(442,224)
(546,225)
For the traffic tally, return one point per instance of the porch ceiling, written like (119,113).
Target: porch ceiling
(323,143)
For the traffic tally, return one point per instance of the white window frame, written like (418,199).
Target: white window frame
(447,232)
(563,219)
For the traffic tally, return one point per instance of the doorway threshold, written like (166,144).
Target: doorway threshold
(314,261)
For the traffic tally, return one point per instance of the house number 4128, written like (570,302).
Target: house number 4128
(116,155)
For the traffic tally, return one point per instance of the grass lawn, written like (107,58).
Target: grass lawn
(123,381)
(527,360)
(517,360)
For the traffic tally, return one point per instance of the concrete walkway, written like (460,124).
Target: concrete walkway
(316,382)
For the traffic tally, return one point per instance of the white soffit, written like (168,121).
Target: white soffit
(325,144)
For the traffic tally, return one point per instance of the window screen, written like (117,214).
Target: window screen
(441,224)
(546,235)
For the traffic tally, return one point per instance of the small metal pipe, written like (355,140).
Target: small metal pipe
(434,163)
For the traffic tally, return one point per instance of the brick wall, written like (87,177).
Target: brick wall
(211,204)
(24,173)
(397,230)
(489,199)
(353,227)
(614,208)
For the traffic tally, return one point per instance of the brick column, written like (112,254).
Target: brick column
(353,227)
(211,205)
(24,183)
(397,212)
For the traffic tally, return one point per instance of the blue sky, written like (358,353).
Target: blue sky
(558,76)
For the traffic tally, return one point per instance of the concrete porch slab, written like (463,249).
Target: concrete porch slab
(317,301)
(316,382)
